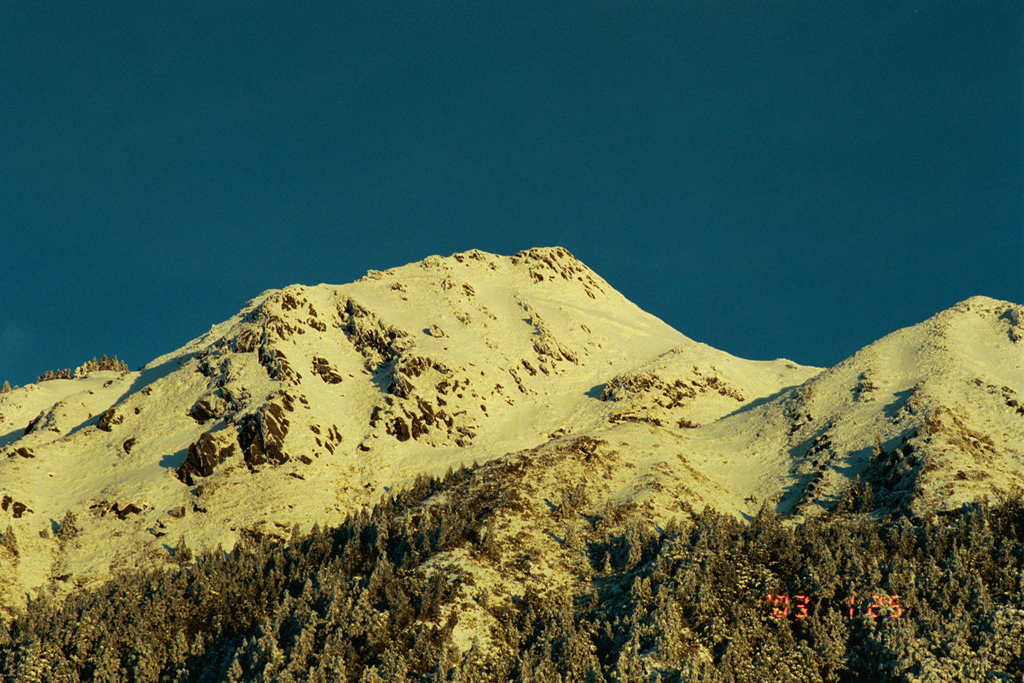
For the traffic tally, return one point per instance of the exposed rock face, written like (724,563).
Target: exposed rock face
(277,365)
(261,434)
(216,405)
(668,393)
(410,367)
(332,396)
(418,419)
(265,327)
(202,457)
(647,396)
(121,512)
(13,507)
(545,343)
(59,418)
(1014,317)
(553,263)
(378,343)
(109,420)
(322,368)
(37,423)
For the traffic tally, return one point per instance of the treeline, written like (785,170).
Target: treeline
(86,368)
(707,599)
(83,370)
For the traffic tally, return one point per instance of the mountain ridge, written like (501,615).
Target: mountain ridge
(313,403)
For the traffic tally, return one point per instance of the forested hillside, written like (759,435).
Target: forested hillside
(289,496)
(851,596)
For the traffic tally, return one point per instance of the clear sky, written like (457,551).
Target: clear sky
(785,178)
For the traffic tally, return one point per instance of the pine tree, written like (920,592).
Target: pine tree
(68,527)
(183,554)
(9,541)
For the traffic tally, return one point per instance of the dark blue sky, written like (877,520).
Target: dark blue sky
(786,178)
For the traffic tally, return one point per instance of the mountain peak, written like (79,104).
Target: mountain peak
(314,402)
(929,415)
(537,265)
(321,397)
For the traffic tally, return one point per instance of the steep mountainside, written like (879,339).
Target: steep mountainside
(583,411)
(930,417)
(313,402)
(922,421)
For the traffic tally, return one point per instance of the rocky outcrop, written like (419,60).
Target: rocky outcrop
(262,329)
(797,409)
(323,369)
(276,319)
(270,317)
(408,368)
(277,366)
(684,402)
(554,263)
(202,457)
(261,434)
(545,344)
(13,507)
(667,393)
(109,419)
(378,343)
(101,509)
(35,424)
(215,405)
(328,439)
(1014,317)
(1011,315)
(420,420)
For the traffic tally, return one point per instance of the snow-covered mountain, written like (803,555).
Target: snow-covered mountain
(314,402)
(931,416)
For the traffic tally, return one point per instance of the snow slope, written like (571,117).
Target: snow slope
(928,417)
(931,415)
(314,402)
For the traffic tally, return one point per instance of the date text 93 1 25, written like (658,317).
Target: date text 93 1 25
(802,606)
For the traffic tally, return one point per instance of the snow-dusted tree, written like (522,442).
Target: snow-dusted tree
(183,554)
(9,541)
(235,673)
(68,526)
(104,363)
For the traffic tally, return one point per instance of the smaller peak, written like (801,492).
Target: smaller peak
(287,298)
(981,304)
(441,263)
(983,307)
(546,264)
(474,255)
(545,254)
(433,261)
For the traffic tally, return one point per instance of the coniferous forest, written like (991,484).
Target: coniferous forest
(847,597)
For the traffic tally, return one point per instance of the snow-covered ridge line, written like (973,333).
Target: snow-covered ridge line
(315,401)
